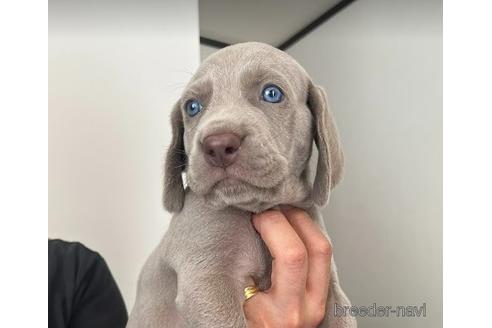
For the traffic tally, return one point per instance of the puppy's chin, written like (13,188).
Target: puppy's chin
(236,193)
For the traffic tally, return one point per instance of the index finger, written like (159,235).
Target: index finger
(319,253)
(290,263)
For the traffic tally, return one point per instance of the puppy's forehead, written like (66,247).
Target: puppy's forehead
(231,64)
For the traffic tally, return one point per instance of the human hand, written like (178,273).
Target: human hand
(300,271)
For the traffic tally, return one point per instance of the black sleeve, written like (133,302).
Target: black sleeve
(81,289)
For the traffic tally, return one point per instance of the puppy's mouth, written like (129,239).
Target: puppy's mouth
(253,186)
(238,178)
(251,177)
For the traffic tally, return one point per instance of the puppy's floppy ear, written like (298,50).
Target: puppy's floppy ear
(174,193)
(329,170)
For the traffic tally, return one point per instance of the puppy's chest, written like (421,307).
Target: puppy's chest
(216,241)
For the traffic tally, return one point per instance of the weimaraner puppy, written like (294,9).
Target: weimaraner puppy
(243,132)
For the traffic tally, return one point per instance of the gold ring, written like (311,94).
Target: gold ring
(249,292)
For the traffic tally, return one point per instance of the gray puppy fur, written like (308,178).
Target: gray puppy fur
(196,275)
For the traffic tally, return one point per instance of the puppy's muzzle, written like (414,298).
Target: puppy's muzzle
(221,150)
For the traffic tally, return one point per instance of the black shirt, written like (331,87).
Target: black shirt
(81,289)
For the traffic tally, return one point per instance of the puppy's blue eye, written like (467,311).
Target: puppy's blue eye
(193,107)
(272,94)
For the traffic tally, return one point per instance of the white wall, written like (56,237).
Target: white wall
(381,64)
(115,69)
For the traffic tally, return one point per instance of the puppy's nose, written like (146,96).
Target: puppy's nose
(221,149)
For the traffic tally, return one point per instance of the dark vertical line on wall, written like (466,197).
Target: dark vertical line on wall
(314,24)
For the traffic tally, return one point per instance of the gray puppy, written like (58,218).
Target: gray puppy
(242,132)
